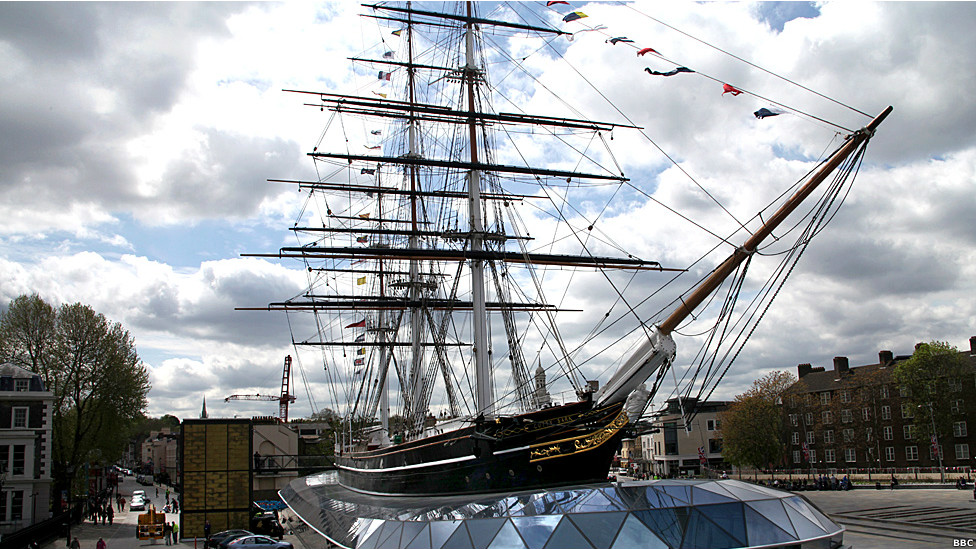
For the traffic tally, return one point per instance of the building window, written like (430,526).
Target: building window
(866,413)
(809,419)
(889,453)
(911,453)
(714,446)
(21,385)
(828,437)
(796,438)
(957,405)
(825,398)
(904,391)
(18,460)
(829,455)
(19,418)
(845,416)
(796,455)
(932,455)
(962,451)
(813,456)
(17,505)
(870,433)
(884,391)
(810,437)
(794,420)
(713,425)
(909,432)
(845,396)
(828,418)
(850,455)
(792,401)
(886,412)
(955,384)
(959,429)
(907,411)
(888,432)
(848,435)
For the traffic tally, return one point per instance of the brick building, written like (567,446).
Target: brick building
(858,417)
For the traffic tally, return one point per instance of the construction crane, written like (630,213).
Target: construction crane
(283,400)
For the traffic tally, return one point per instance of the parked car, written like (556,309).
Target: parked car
(144,480)
(258,542)
(140,493)
(227,535)
(267,524)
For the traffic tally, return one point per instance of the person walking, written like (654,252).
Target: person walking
(168,533)
(111,514)
(75,544)
(206,531)
(176,532)
(101,544)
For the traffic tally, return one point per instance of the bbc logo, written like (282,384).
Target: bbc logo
(963,543)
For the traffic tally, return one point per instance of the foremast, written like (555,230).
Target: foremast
(658,350)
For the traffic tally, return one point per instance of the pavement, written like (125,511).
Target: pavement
(905,518)
(121,534)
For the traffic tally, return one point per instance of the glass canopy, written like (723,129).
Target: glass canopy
(665,514)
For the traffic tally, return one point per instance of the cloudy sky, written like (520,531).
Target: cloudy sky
(136,140)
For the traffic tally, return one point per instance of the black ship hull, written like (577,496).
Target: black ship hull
(570,444)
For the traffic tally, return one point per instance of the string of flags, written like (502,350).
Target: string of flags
(614,40)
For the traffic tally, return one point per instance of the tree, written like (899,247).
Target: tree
(930,379)
(752,427)
(90,365)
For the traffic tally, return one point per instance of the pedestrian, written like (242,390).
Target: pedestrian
(176,532)
(75,544)
(157,491)
(111,514)
(100,544)
(167,495)
(123,505)
(206,529)
(168,533)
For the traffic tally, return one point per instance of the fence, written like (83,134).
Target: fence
(41,532)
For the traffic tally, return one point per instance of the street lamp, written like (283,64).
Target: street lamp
(935,436)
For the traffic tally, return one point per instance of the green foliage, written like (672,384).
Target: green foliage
(933,377)
(752,427)
(90,365)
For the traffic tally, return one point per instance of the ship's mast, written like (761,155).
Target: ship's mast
(414,288)
(483,391)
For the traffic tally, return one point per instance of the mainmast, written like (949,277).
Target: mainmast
(483,384)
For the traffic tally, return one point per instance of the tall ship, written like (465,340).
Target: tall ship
(481,324)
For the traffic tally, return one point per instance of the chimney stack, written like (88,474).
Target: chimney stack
(972,345)
(885,357)
(841,366)
(803,369)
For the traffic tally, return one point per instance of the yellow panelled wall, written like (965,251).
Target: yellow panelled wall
(216,466)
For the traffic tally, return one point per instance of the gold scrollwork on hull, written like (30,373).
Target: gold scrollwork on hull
(575,445)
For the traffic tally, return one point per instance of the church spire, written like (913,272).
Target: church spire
(203,413)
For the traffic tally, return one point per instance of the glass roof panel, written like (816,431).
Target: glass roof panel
(761,531)
(635,534)
(441,530)
(599,528)
(805,528)
(483,531)
(773,510)
(567,536)
(667,524)
(390,535)
(680,493)
(702,532)
(536,530)
(421,540)
(460,539)
(507,538)
(729,517)
(700,496)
